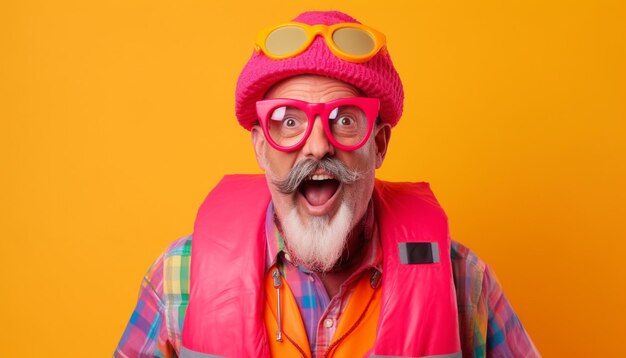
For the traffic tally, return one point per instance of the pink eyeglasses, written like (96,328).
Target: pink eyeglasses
(347,122)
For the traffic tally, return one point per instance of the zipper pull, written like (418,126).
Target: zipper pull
(276,277)
(375,279)
(277,283)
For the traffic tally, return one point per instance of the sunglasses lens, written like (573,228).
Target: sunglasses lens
(353,41)
(287,125)
(348,124)
(285,40)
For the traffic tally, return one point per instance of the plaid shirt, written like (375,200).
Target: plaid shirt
(319,312)
(488,326)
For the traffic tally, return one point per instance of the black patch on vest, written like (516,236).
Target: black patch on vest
(418,252)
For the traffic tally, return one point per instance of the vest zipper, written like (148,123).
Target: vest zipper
(277,283)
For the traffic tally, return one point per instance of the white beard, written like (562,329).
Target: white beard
(318,245)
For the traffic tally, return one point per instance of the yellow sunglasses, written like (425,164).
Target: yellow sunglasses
(348,41)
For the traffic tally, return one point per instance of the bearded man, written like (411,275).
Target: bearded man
(317,258)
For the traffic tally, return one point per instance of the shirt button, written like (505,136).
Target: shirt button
(328,322)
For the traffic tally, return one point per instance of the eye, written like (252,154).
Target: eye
(343,117)
(345,121)
(290,123)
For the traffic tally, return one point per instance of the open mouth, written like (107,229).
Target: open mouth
(318,189)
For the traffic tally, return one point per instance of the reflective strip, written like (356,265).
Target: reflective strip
(451,355)
(186,353)
(418,252)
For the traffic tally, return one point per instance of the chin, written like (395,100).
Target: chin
(318,242)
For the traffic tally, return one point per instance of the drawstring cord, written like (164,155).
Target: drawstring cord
(277,283)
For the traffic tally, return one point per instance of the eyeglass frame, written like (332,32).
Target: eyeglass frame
(370,107)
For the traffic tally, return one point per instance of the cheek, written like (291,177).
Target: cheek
(278,163)
(282,204)
(359,196)
(362,159)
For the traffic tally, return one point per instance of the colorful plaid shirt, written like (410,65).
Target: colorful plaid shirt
(488,325)
(319,312)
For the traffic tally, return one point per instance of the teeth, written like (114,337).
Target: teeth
(320,177)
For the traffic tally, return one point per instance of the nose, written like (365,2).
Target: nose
(318,145)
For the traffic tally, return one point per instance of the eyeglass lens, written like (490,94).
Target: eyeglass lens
(285,40)
(288,125)
(353,41)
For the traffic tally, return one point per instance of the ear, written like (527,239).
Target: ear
(382,134)
(259,144)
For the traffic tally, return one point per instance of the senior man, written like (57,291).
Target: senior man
(317,258)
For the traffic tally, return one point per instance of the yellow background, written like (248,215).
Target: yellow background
(116,119)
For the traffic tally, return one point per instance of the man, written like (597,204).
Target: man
(317,258)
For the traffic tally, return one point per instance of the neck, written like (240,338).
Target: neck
(357,247)
(352,257)
(354,251)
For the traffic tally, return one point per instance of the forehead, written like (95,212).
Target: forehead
(312,88)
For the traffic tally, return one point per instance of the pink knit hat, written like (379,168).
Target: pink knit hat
(375,78)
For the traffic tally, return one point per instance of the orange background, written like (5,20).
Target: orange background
(116,119)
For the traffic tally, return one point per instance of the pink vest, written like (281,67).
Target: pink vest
(224,318)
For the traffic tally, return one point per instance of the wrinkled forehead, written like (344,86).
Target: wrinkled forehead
(312,88)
